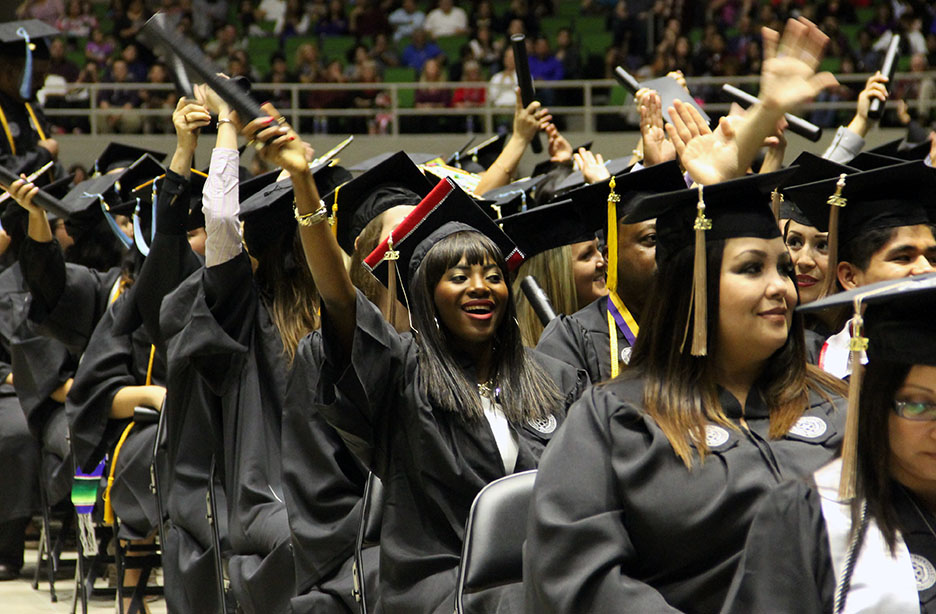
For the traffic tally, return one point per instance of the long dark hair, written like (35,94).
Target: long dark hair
(680,391)
(288,291)
(525,391)
(882,380)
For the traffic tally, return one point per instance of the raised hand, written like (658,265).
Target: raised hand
(189,116)
(656,148)
(22,191)
(788,76)
(278,143)
(776,148)
(591,165)
(560,150)
(530,120)
(874,88)
(709,157)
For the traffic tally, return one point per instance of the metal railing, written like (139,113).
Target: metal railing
(595,100)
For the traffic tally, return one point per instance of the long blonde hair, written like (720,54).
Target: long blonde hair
(553,271)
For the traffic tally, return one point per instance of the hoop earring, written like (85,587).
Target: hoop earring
(438,328)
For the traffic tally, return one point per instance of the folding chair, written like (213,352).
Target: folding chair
(492,554)
(368,536)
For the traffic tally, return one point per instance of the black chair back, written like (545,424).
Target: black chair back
(368,536)
(492,554)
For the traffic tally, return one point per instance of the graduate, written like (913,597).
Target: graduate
(879,230)
(25,143)
(643,499)
(447,409)
(857,535)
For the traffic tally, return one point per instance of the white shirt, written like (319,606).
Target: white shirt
(835,357)
(221,205)
(439,23)
(503,436)
(501,89)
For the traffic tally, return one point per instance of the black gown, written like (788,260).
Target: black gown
(323,483)
(41,365)
(787,566)
(582,340)
(617,522)
(28,156)
(236,350)
(112,362)
(432,462)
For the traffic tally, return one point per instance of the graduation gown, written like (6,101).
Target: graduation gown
(112,362)
(41,365)
(617,522)
(28,155)
(432,462)
(19,449)
(787,566)
(68,299)
(323,484)
(236,350)
(582,340)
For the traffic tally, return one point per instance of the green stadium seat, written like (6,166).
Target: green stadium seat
(550,26)
(451,45)
(585,26)
(695,36)
(405,97)
(851,32)
(399,74)
(259,50)
(337,47)
(292,44)
(833,65)
(567,10)
(618,96)
(903,64)
(597,43)
(865,14)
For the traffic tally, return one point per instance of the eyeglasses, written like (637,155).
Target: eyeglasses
(915,410)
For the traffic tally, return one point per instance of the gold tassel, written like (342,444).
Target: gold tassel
(108,506)
(333,220)
(611,282)
(776,199)
(391,256)
(836,202)
(857,346)
(699,294)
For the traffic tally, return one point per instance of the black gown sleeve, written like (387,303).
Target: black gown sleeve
(359,396)
(68,300)
(563,340)
(578,553)
(170,260)
(786,566)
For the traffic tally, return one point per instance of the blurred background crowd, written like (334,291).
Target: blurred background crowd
(369,42)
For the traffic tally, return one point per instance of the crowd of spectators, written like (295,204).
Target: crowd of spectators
(649,37)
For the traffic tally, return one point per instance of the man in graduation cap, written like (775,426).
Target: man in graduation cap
(24,54)
(880,228)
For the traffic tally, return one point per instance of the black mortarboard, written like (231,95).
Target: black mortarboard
(690,217)
(542,228)
(889,148)
(514,197)
(576,179)
(371,163)
(809,168)
(446,210)
(914,151)
(120,155)
(892,320)
(866,161)
(670,91)
(480,157)
(25,39)
(358,201)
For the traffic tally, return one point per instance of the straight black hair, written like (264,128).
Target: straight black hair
(525,391)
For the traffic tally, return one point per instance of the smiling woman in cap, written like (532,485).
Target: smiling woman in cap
(442,412)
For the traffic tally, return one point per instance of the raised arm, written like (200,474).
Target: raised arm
(282,147)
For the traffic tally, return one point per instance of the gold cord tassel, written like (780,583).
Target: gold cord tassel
(611,238)
(857,346)
(391,256)
(836,202)
(699,293)
(776,199)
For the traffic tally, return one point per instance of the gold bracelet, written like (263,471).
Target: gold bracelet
(310,219)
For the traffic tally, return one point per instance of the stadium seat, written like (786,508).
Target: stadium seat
(259,50)
(451,46)
(399,74)
(337,47)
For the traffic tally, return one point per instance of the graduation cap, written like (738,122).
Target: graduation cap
(668,88)
(866,161)
(25,39)
(577,179)
(446,210)
(371,163)
(480,157)
(914,151)
(809,168)
(395,180)
(514,197)
(543,228)
(120,155)
(891,321)
(850,205)
(889,148)
(727,210)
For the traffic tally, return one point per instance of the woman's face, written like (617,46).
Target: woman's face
(589,270)
(809,250)
(756,298)
(913,442)
(470,300)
